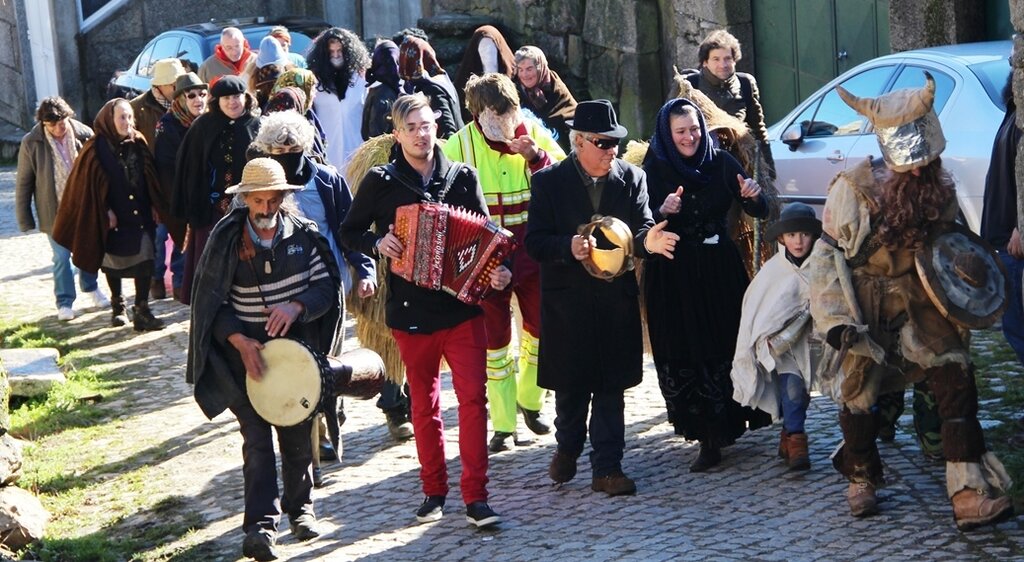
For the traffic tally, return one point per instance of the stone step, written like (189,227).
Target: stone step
(31,372)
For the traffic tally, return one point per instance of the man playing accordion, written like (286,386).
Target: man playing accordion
(430,324)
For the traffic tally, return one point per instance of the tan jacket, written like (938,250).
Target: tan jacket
(35,177)
(148,112)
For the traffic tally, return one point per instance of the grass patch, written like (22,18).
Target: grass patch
(107,501)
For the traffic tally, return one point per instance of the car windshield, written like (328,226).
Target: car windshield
(992,75)
(300,42)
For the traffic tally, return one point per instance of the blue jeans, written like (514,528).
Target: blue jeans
(794,398)
(1013,318)
(160,259)
(64,276)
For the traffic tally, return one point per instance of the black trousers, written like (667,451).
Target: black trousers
(607,427)
(263,504)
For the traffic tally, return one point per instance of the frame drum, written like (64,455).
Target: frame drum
(292,385)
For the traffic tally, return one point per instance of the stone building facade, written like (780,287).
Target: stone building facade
(13,94)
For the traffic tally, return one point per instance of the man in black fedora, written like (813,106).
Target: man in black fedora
(590,326)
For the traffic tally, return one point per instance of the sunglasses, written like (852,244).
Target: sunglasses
(194,95)
(603,144)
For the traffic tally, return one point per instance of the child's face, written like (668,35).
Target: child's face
(798,243)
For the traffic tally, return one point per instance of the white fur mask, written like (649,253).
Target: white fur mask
(499,128)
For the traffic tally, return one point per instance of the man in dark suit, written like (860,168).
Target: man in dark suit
(590,326)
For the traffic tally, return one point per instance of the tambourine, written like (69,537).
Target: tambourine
(608,263)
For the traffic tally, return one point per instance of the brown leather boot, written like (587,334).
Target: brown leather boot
(974,508)
(615,484)
(797,457)
(861,496)
(783,438)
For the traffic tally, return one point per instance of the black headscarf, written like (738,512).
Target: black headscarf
(694,170)
(384,65)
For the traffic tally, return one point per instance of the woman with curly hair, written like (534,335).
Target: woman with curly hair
(339,61)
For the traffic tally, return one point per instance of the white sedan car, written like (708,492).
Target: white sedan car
(824,136)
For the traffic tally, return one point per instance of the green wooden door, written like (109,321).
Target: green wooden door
(800,45)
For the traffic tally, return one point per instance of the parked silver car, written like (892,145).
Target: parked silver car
(823,136)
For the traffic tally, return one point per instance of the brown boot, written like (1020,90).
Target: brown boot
(783,439)
(797,457)
(861,496)
(974,508)
(615,484)
(562,468)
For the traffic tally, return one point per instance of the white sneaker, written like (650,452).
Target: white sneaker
(65,314)
(99,300)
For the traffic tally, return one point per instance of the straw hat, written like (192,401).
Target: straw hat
(262,174)
(166,71)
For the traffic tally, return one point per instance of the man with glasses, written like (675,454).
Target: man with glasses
(427,324)
(45,158)
(590,326)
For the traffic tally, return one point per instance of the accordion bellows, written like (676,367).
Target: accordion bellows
(449,249)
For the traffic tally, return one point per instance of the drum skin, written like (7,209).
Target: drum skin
(290,391)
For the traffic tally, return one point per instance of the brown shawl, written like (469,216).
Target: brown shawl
(471,63)
(81,224)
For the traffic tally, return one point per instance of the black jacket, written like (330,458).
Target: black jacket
(377,110)
(444,100)
(410,308)
(590,328)
(208,366)
(999,214)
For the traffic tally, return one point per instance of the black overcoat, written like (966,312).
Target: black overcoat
(591,338)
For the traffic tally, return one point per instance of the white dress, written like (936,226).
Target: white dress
(342,122)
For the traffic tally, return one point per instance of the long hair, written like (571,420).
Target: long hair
(337,80)
(910,203)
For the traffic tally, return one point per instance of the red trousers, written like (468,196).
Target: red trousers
(464,347)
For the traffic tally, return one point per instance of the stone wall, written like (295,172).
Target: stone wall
(113,44)
(1017,62)
(622,50)
(13,97)
(915,24)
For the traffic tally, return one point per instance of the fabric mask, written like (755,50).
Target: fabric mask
(337,62)
(292,162)
(498,128)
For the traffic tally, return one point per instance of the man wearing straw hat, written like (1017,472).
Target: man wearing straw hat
(265,273)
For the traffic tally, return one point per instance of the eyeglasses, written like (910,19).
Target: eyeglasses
(425,128)
(603,144)
(194,95)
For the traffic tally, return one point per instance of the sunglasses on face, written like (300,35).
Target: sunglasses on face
(603,144)
(194,95)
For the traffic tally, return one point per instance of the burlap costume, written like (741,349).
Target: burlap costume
(859,284)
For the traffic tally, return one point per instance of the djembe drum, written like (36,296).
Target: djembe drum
(298,380)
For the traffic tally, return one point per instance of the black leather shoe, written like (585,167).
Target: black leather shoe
(398,425)
(500,440)
(535,421)
(707,458)
(259,545)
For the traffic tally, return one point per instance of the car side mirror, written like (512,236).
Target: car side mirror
(793,136)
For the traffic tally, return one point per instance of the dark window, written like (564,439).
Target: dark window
(90,7)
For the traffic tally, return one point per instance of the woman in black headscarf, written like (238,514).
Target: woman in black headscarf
(693,301)
(210,159)
(107,215)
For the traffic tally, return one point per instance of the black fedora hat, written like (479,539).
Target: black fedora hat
(596,116)
(796,217)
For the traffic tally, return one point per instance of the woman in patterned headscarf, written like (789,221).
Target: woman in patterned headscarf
(294,90)
(417,65)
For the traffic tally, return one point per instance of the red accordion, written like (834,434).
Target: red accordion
(449,249)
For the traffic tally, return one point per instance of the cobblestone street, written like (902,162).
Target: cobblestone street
(748,508)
